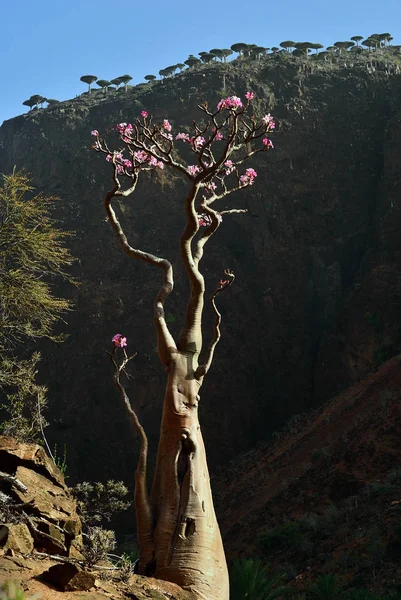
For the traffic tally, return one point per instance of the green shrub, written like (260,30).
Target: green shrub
(395,475)
(10,591)
(327,587)
(286,535)
(98,543)
(126,565)
(374,320)
(320,454)
(97,502)
(252,581)
(381,489)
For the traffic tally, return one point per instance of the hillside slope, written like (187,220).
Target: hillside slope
(317,259)
(325,494)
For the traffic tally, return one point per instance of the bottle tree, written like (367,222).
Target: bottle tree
(178,535)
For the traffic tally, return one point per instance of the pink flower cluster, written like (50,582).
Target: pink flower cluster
(248,177)
(124,129)
(230,167)
(204,220)
(193,169)
(250,95)
(95,132)
(144,114)
(183,136)
(268,143)
(167,125)
(119,341)
(118,156)
(233,102)
(143,157)
(268,120)
(198,142)
(210,187)
(140,156)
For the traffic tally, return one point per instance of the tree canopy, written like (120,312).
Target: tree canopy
(32,254)
(89,79)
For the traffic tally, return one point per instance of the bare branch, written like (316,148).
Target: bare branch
(143,509)
(204,368)
(165,340)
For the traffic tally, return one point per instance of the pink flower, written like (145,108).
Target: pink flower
(141,156)
(204,220)
(250,95)
(127,163)
(219,136)
(230,167)
(268,143)
(144,114)
(124,129)
(232,102)
(193,169)
(248,177)
(167,125)
(268,120)
(198,142)
(119,341)
(223,283)
(168,136)
(211,186)
(109,158)
(95,132)
(182,136)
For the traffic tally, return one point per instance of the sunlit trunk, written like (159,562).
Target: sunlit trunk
(188,549)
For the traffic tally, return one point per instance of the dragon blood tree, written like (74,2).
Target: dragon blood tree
(178,535)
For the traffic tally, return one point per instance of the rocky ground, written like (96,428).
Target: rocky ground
(41,537)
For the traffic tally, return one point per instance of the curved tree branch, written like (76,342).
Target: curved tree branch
(190,338)
(144,515)
(204,368)
(165,340)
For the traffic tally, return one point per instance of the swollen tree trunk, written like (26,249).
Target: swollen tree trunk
(188,549)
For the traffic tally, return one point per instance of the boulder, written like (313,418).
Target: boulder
(30,477)
(16,537)
(69,577)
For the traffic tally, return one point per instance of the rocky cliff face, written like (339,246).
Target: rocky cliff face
(317,259)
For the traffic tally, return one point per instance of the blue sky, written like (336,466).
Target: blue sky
(47,45)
